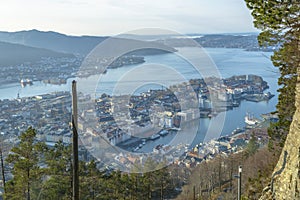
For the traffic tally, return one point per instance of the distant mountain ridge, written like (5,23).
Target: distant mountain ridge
(84,44)
(228,41)
(56,42)
(75,44)
(247,42)
(15,54)
(52,40)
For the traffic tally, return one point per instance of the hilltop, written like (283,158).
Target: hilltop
(52,40)
(70,44)
(15,54)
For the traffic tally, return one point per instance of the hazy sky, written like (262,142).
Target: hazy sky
(110,17)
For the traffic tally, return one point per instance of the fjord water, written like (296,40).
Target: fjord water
(229,62)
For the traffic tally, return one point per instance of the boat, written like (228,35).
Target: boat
(175,129)
(237,130)
(250,119)
(212,114)
(235,104)
(155,136)
(163,132)
(250,126)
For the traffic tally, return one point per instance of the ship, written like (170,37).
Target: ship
(250,120)
(25,82)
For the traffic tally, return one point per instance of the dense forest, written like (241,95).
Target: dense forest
(40,172)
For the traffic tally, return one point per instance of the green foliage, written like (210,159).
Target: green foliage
(252,146)
(153,182)
(27,172)
(58,184)
(280,24)
(54,179)
(279,21)
(92,182)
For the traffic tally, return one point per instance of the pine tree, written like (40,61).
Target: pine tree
(252,146)
(279,21)
(91,180)
(26,159)
(58,183)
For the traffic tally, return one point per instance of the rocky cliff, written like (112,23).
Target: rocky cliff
(285,183)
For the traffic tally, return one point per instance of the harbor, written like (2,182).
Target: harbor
(16,120)
(42,94)
(127,132)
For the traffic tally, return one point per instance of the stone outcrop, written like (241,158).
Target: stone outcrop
(285,183)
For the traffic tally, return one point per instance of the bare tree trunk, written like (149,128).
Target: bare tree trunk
(2,169)
(194,192)
(75,143)
(28,184)
(220,173)
(162,191)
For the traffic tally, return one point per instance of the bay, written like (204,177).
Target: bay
(229,62)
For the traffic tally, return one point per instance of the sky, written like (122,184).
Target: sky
(112,17)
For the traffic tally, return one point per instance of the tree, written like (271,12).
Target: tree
(27,172)
(279,21)
(92,182)
(58,184)
(252,146)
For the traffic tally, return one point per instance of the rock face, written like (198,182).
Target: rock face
(285,182)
